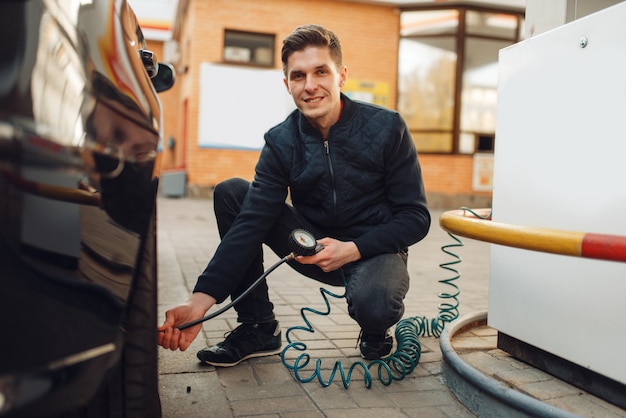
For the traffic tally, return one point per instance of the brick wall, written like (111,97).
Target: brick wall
(448,182)
(369,35)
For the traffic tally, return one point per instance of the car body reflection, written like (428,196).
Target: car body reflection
(80,123)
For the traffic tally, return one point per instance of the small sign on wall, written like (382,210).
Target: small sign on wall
(368,91)
(482,177)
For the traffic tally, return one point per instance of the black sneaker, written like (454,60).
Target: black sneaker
(244,342)
(375,346)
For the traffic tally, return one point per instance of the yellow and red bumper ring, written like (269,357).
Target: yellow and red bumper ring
(476,224)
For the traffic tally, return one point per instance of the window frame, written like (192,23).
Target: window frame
(240,51)
(460,37)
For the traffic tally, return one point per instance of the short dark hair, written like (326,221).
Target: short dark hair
(311,35)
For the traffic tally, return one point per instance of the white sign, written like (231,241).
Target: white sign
(238,105)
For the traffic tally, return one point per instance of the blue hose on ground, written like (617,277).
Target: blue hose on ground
(408,351)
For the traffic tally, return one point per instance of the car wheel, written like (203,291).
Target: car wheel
(131,389)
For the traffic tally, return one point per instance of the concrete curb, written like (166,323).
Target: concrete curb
(481,394)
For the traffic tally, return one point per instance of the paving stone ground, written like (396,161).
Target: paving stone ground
(264,387)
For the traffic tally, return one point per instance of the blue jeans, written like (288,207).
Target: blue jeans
(375,287)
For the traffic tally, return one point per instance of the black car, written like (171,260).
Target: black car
(80,126)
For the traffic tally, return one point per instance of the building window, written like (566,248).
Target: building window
(249,48)
(447,75)
(426,84)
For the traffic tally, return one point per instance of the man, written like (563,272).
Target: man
(354,181)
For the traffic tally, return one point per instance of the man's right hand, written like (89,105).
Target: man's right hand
(172,338)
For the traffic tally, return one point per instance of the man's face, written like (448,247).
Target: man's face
(314,81)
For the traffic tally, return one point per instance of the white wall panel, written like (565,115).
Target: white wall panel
(560,162)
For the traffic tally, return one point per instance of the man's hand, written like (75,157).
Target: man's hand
(196,307)
(334,255)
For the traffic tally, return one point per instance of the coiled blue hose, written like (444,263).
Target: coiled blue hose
(449,309)
(394,367)
(408,351)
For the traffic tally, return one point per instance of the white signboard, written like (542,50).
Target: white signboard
(238,105)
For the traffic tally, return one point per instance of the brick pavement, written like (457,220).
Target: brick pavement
(264,387)
(187,238)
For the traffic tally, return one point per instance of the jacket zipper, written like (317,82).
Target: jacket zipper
(332,176)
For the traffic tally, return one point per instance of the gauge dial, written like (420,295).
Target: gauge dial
(302,242)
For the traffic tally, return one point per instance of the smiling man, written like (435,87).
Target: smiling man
(314,77)
(354,181)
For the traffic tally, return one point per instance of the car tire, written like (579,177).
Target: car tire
(131,388)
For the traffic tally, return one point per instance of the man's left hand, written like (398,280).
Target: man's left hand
(333,256)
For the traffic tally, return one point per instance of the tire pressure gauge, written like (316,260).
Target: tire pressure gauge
(302,242)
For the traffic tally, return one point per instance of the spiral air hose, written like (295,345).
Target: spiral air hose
(408,350)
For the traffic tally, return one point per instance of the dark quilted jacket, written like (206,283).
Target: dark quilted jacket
(363,184)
